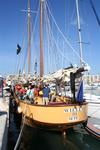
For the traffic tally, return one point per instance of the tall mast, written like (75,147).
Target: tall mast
(35,68)
(41,39)
(29,39)
(79,34)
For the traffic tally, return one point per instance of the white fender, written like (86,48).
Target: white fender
(19,109)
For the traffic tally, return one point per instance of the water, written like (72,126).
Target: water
(76,139)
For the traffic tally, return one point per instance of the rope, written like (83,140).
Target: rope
(66,40)
(21,132)
(52,36)
(21,54)
(62,33)
(33,33)
(49,43)
(18,63)
(57,44)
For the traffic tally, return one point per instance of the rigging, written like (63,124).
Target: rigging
(95,13)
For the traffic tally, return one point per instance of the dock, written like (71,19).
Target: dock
(93,124)
(93,127)
(4,122)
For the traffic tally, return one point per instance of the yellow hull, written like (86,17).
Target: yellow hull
(61,115)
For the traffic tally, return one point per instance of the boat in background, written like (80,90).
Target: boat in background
(92,98)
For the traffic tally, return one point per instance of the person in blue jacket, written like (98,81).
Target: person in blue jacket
(46,93)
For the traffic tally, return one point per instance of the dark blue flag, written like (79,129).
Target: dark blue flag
(79,97)
(18,49)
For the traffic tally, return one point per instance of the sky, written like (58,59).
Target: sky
(12,30)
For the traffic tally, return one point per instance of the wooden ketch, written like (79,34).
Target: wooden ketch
(60,115)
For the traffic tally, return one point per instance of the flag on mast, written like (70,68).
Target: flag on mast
(18,49)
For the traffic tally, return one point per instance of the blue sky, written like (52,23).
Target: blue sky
(12,24)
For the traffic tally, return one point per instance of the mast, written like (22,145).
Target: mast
(29,39)
(79,33)
(41,39)
(35,68)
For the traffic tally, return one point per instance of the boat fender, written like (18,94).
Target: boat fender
(19,109)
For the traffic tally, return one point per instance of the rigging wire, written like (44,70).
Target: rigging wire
(66,40)
(22,129)
(86,31)
(33,32)
(25,56)
(56,42)
(18,64)
(20,56)
(71,17)
(95,13)
(50,42)
(48,58)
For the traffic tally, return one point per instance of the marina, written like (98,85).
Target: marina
(76,138)
(34,96)
(50,100)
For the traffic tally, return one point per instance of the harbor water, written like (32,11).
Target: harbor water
(77,139)
(36,139)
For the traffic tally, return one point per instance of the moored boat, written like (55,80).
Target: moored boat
(65,111)
(60,114)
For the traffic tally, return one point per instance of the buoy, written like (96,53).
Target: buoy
(19,109)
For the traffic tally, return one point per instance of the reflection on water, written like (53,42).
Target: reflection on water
(76,139)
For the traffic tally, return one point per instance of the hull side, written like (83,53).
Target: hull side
(59,115)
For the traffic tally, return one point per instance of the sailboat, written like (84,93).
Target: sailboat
(66,111)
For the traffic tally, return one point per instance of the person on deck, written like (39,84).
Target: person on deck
(22,92)
(30,93)
(46,92)
(36,91)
